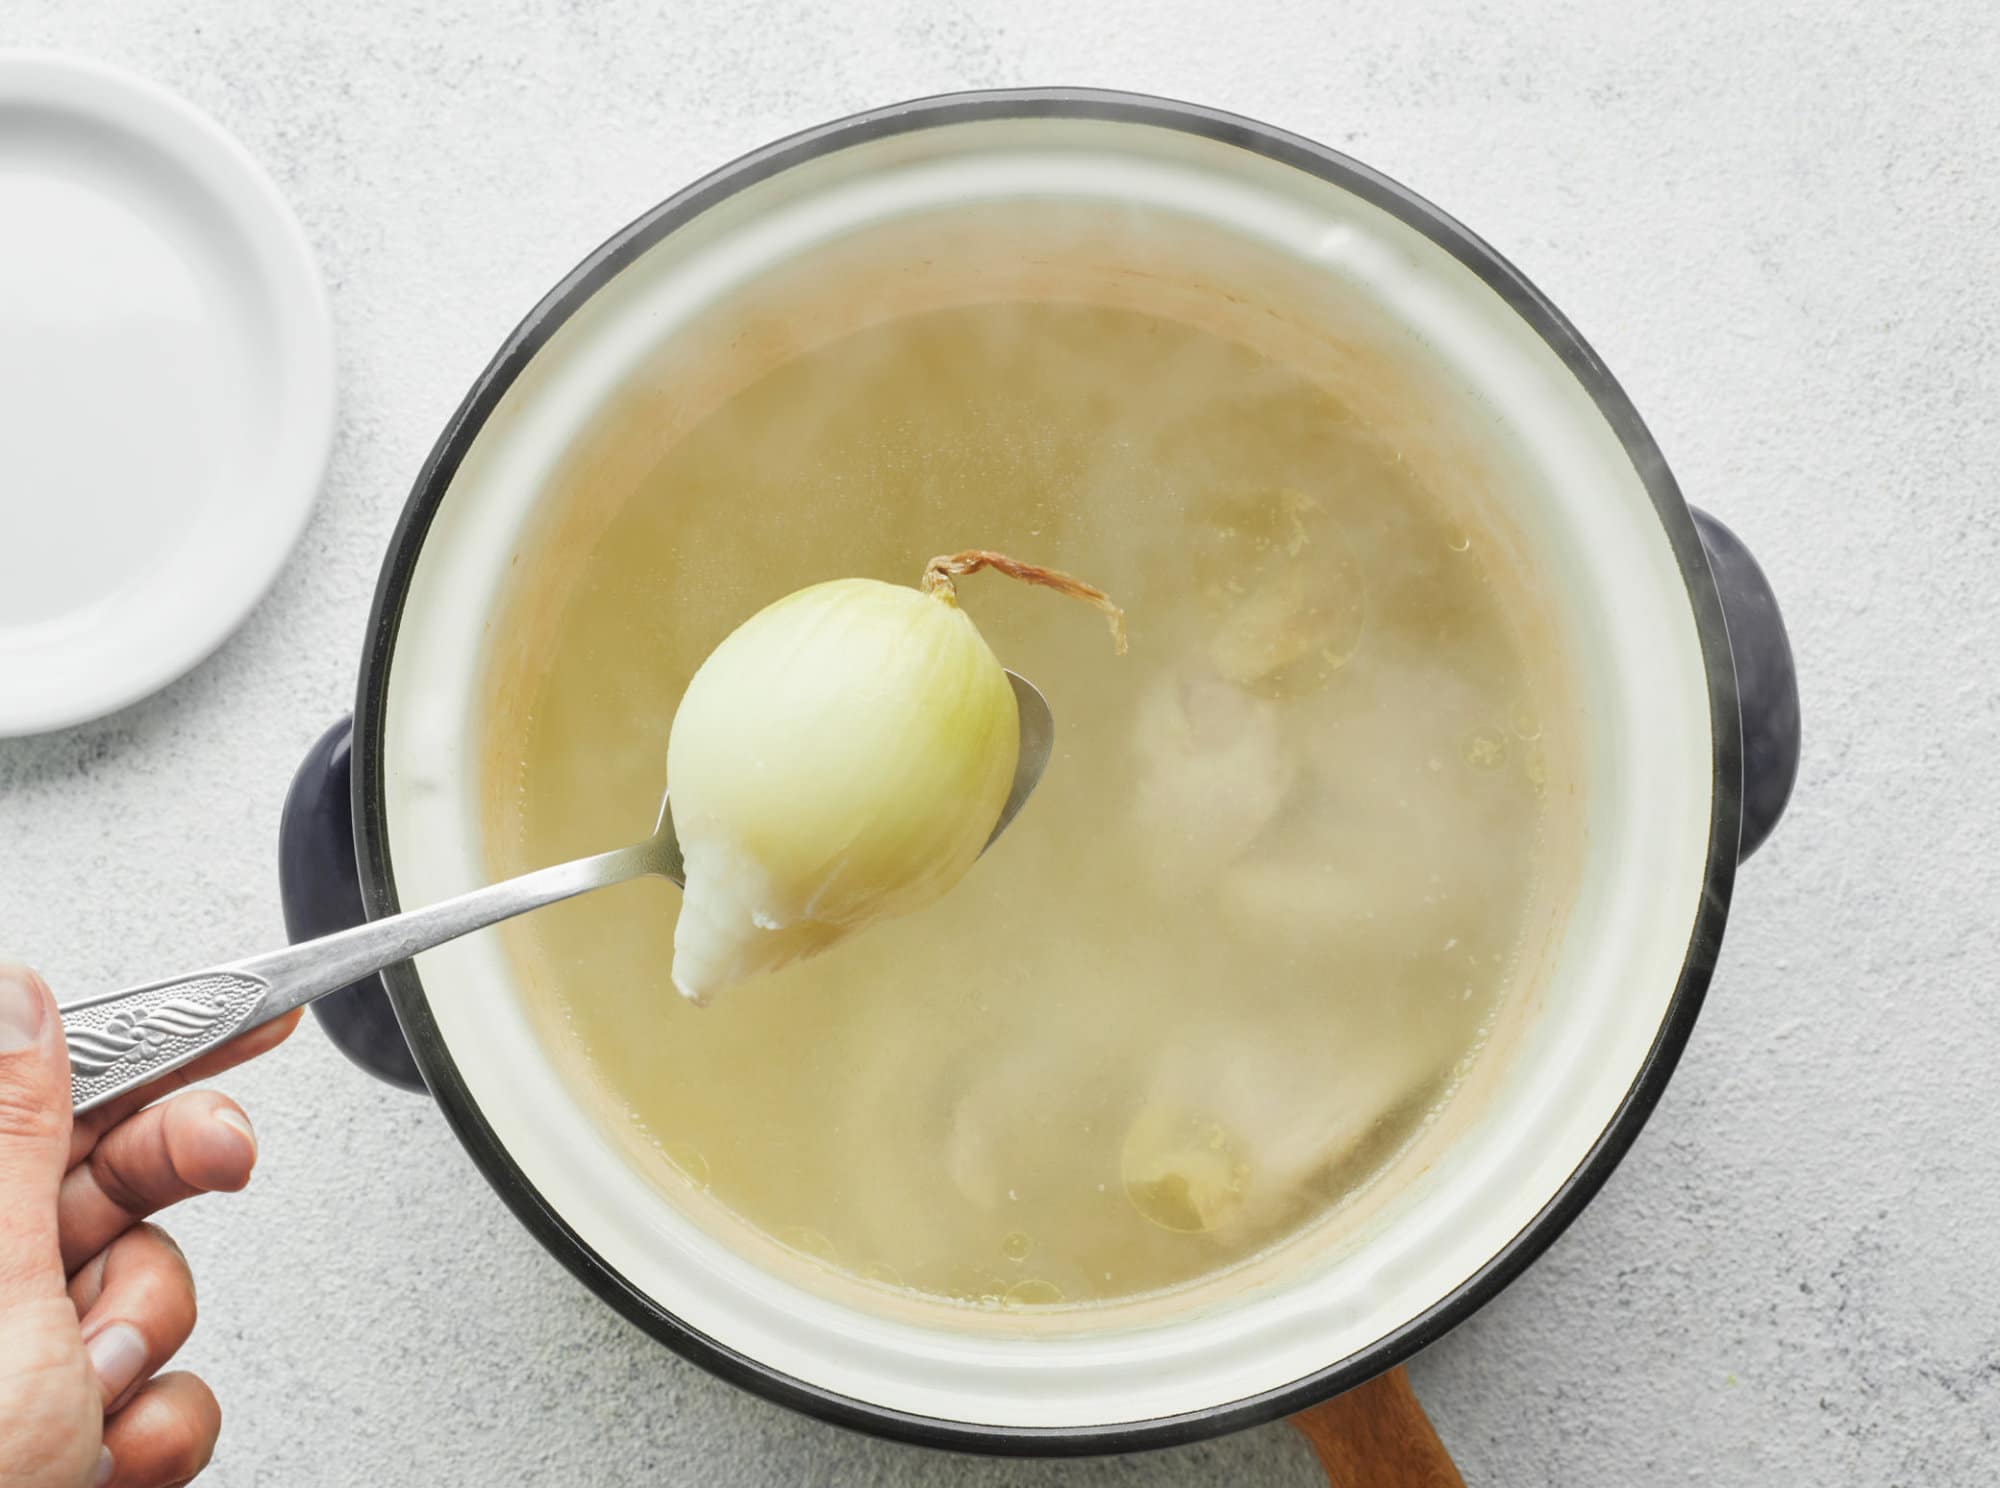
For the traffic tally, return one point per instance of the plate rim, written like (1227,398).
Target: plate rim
(238,187)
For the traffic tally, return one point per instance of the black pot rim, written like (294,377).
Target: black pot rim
(1704,941)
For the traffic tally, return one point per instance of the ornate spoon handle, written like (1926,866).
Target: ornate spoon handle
(120,1040)
(126,1038)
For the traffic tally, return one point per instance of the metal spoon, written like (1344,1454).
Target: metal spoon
(119,1040)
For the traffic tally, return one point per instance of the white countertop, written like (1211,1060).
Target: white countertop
(1779,233)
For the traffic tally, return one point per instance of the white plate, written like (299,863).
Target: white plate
(166,388)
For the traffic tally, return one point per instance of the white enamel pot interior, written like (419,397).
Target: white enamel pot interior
(1293,234)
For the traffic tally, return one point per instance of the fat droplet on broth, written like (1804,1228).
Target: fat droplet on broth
(1016,1246)
(1523,721)
(1485,749)
(1032,1292)
(1535,767)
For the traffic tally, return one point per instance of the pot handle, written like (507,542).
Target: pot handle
(1767,685)
(319,880)
(1377,1436)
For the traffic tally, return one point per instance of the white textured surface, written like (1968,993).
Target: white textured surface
(1779,232)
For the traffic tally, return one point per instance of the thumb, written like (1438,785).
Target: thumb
(34,1136)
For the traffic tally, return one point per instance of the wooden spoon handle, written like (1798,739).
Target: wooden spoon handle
(1377,1436)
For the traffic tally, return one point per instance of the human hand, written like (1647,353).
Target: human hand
(93,1300)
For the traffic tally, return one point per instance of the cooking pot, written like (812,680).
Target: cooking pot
(1691,740)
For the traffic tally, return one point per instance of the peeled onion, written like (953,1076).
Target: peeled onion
(840,759)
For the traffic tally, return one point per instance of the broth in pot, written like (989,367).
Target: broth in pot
(1292,859)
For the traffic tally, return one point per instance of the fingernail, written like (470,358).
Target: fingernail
(117,1354)
(20,1009)
(105,1468)
(236,1121)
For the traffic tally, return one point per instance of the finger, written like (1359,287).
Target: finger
(34,1135)
(198,1142)
(165,1436)
(135,1306)
(93,1124)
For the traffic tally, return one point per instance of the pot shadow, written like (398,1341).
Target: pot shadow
(85,750)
